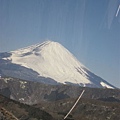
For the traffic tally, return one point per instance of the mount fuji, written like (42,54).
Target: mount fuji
(50,63)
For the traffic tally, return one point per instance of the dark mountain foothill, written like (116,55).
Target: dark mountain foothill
(13,110)
(58,99)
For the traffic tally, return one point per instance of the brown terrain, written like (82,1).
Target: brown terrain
(37,101)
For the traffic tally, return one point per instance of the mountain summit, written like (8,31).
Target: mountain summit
(51,60)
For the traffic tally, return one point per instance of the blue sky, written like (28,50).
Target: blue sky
(89,29)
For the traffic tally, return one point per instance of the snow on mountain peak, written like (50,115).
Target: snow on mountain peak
(32,47)
(51,59)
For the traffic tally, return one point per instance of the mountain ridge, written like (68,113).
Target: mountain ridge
(51,60)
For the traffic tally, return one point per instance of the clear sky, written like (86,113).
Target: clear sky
(89,29)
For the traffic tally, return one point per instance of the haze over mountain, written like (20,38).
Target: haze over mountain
(48,60)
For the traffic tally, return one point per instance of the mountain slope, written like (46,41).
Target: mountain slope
(86,109)
(96,103)
(30,92)
(52,60)
(13,110)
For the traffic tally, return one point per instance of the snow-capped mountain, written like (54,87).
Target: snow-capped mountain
(49,60)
